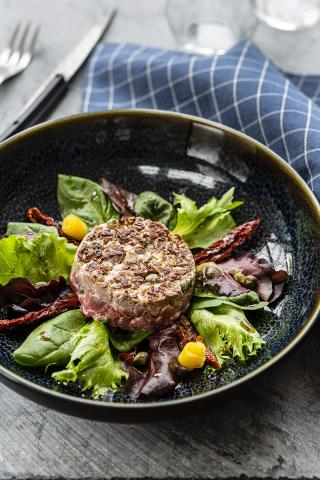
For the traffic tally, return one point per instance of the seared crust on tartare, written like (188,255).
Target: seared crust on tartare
(133,273)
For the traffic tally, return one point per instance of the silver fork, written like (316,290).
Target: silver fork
(18,54)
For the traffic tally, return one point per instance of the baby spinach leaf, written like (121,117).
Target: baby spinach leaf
(22,228)
(39,258)
(151,205)
(123,341)
(92,362)
(85,199)
(246,301)
(207,295)
(52,342)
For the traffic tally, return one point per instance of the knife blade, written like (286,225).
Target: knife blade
(55,86)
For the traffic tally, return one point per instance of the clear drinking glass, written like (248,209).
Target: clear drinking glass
(210,26)
(288,15)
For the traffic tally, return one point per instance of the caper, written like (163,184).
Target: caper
(240,278)
(140,359)
(234,271)
(251,281)
(152,278)
(210,271)
(207,269)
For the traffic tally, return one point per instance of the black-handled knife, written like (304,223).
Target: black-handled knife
(52,90)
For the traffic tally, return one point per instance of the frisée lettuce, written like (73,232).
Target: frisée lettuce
(227,332)
(199,227)
(92,362)
(39,258)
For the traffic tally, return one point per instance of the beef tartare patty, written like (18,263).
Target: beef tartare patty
(134,273)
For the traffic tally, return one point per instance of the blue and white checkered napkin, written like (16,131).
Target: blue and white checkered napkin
(241,89)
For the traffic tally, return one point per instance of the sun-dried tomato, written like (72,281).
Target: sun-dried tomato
(69,302)
(36,216)
(222,249)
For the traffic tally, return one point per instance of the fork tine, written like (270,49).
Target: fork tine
(33,39)
(21,44)
(18,54)
(14,36)
(9,49)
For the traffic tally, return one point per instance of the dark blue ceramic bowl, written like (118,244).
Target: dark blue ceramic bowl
(166,152)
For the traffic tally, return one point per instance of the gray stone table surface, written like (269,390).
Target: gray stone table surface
(271,432)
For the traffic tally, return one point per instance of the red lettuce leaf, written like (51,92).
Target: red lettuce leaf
(20,296)
(270,282)
(163,369)
(214,277)
(121,199)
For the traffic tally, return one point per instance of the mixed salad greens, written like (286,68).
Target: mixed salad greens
(35,263)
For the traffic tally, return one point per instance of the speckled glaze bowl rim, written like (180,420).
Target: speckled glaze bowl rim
(277,161)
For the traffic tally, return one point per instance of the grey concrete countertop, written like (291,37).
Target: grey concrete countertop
(272,432)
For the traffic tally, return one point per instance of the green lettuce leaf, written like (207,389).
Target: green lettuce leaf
(200,227)
(52,342)
(246,301)
(151,205)
(228,332)
(85,199)
(92,362)
(21,228)
(124,341)
(39,258)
